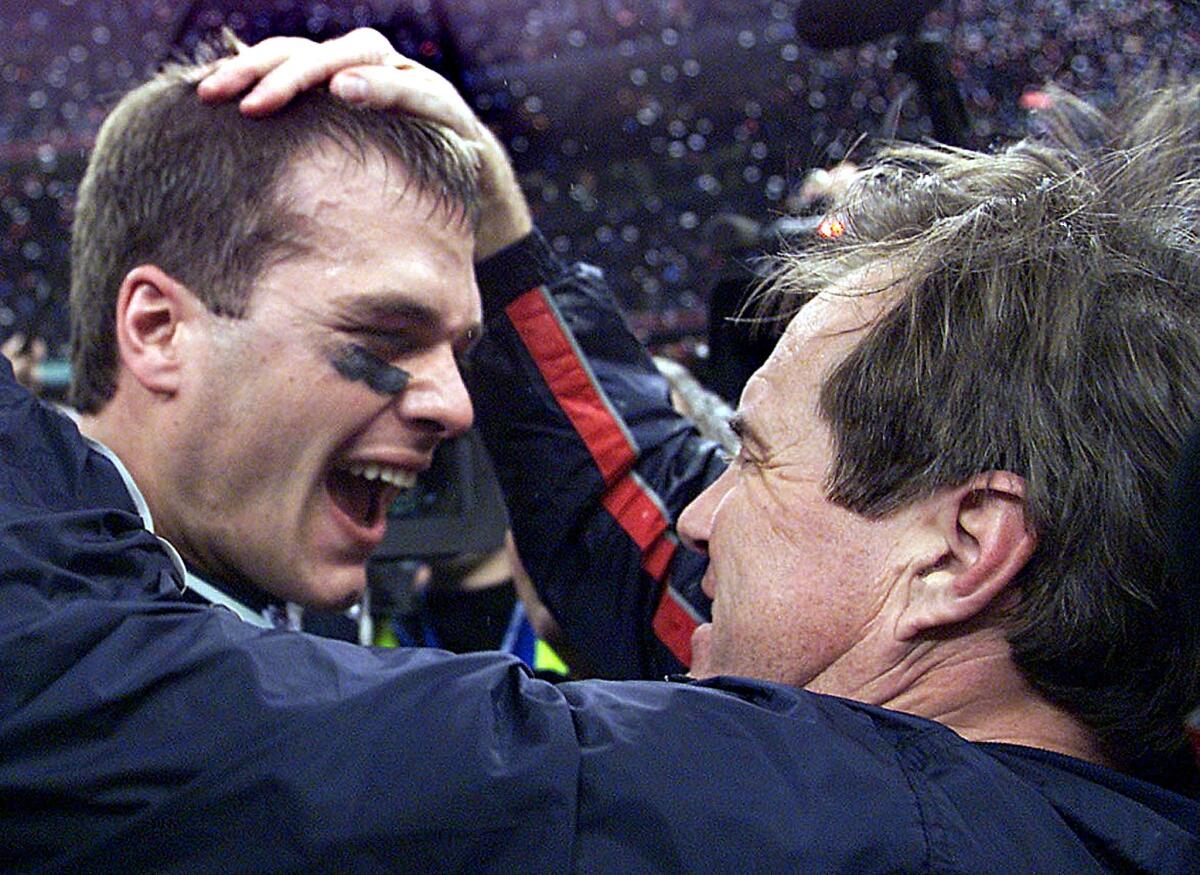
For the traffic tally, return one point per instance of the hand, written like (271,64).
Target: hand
(363,69)
(25,361)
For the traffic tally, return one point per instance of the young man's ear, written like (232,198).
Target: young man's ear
(152,308)
(983,542)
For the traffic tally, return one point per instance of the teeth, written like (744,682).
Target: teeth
(395,476)
(398,478)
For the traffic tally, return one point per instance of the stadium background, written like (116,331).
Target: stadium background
(631,122)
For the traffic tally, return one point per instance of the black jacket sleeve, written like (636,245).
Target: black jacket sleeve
(595,464)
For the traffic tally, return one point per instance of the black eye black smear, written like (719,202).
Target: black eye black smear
(356,363)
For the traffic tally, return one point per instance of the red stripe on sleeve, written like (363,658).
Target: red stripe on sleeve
(569,380)
(639,515)
(626,499)
(674,624)
(656,559)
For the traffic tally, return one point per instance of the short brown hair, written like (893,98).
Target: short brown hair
(1048,325)
(192,188)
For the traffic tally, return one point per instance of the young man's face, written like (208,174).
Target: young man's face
(803,588)
(288,450)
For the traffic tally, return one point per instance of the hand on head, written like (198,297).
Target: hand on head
(363,69)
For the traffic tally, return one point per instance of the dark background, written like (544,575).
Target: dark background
(631,122)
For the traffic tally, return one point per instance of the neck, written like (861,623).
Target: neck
(94,425)
(971,685)
(123,435)
(108,428)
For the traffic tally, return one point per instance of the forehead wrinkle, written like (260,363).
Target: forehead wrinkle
(811,348)
(396,182)
(838,318)
(324,206)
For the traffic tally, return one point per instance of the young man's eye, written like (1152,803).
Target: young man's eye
(357,363)
(388,347)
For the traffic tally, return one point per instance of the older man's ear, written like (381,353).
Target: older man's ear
(981,542)
(153,312)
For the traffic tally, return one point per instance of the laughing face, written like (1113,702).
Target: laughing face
(286,459)
(805,591)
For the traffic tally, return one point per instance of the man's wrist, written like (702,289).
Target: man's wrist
(511,271)
(504,218)
(501,227)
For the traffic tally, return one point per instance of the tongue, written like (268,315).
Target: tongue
(358,498)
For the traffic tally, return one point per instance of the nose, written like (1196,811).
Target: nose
(436,400)
(696,522)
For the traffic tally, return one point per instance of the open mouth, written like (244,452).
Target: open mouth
(364,492)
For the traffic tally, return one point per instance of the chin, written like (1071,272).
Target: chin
(334,590)
(343,603)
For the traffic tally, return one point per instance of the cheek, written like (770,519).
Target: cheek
(787,549)
(754,562)
(767,522)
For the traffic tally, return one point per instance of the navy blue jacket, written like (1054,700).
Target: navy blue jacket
(139,732)
(595,464)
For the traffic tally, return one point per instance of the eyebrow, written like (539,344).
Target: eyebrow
(743,430)
(387,307)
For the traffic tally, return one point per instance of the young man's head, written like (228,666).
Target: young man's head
(266,317)
(968,431)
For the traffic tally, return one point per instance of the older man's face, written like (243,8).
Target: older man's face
(285,465)
(802,588)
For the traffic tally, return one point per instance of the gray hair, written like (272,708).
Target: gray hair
(1049,325)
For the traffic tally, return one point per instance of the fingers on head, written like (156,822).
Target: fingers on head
(372,46)
(311,64)
(414,90)
(280,67)
(234,73)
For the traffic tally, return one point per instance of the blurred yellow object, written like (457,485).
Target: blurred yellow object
(545,659)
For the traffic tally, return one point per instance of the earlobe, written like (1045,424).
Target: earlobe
(152,307)
(985,543)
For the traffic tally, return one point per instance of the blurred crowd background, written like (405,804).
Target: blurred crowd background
(632,122)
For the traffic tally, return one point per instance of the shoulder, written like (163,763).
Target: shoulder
(1031,810)
(818,783)
(803,782)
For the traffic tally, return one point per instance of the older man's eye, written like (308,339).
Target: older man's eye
(739,457)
